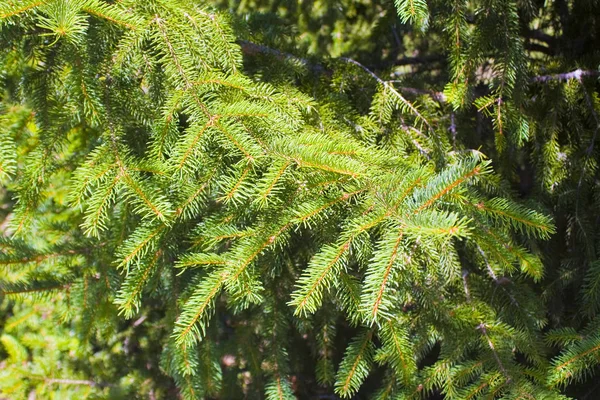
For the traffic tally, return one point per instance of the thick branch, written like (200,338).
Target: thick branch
(577,74)
(438,96)
(541,36)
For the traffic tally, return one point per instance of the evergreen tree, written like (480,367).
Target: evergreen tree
(204,203)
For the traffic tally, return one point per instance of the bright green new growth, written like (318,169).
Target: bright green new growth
(153,173)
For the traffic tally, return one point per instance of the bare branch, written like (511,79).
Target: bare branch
(577,74)
(251,49)
(70,382)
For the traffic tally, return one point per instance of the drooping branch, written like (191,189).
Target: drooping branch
(253,49)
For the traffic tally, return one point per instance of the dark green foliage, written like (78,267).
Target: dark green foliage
(397,201)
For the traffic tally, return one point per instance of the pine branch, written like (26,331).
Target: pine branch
(321,270)
(252,49)
(111,13)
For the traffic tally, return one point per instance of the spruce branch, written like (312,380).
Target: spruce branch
(218,193)
(356,364)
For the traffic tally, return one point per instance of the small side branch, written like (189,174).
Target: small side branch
(465,273)
(483,330)
(487,264)
(498,281)
(388,86)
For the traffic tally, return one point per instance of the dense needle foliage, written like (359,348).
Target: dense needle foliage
(276,199)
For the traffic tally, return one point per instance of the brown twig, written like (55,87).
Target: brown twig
(482,328)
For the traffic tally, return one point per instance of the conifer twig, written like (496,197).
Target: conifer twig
(497,281)
(388,86)
(483,329)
